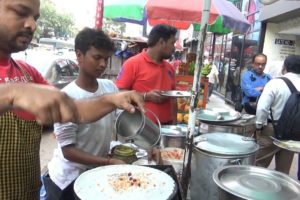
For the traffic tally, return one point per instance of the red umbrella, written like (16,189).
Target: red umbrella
(181,14)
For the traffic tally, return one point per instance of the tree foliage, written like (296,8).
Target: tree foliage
(54,23)
(113,27)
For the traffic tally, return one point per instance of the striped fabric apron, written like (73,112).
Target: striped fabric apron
(19,156)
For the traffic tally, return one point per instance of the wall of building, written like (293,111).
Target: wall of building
(278,45)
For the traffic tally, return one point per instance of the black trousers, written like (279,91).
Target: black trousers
(55,193)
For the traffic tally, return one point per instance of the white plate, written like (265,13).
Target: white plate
(100,183)
(176,93)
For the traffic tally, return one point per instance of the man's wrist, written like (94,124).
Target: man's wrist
(259,126)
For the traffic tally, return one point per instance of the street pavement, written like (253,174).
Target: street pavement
(48,142)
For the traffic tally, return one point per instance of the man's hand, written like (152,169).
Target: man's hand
(48,104)
(127,100)
(155,96)
(259,89)
(113,161)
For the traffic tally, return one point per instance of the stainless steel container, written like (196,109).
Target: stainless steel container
(255,183)
(174,135)
(212,151)
(240,130)
(138,128)
(244,126)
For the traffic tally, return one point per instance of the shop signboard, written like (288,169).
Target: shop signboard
(285,47)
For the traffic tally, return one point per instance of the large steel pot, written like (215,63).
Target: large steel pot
(254,183)
(243,126)
(212,151)
(240,130)
(172,136)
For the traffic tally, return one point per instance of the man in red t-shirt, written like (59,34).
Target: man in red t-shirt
(149,74)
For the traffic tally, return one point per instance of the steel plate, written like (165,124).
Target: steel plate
(256,183)
(290,145)
(211,116)
(176,93)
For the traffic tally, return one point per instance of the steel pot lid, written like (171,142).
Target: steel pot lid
(172,130)
(256,183)
(226,144)
(212,116)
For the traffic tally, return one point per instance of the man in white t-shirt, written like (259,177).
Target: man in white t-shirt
(83,146)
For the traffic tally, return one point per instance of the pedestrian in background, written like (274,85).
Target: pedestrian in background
(150,74)
(274,97)
(253,83)
(20,132)
(213,76)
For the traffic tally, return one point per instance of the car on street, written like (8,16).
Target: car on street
(58,70)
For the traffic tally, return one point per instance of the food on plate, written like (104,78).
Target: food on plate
(173,156)
(172,153)
(125,181)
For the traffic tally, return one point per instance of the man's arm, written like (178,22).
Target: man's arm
(248,88)
(93,109)
(264,104)
(50,105)
(74,154)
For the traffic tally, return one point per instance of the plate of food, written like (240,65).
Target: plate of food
(173,156)
(290,145)
(118,182)
(176,93)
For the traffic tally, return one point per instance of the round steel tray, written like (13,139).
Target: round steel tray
(211,116)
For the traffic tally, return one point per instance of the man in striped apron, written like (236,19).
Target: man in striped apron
(20,134)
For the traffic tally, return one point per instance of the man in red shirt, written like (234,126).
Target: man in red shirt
(149,74)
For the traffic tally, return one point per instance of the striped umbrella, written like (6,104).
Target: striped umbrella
(224,16)
(182,14)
